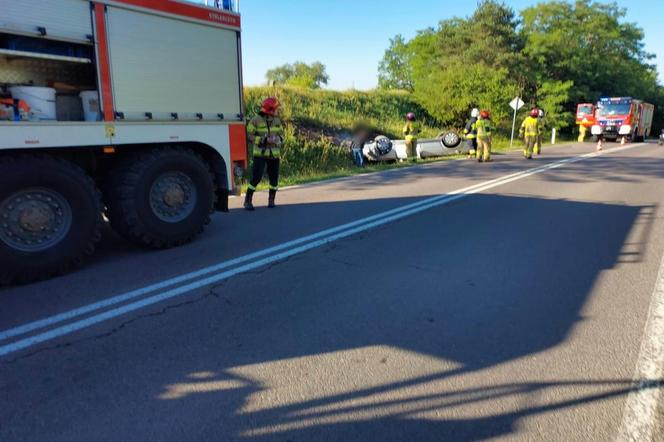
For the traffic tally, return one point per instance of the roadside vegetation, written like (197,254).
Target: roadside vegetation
(555,54)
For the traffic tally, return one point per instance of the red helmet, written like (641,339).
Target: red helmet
(485,114)
(534,112)
(270,106)
(410,116)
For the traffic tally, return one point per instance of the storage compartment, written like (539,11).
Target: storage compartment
(48,75)
(162,66)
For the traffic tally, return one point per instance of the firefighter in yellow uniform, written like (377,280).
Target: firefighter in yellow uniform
(470,132)
(410,131)
(265,136)
(529,131)
(483,127)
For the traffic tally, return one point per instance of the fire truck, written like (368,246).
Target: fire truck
(126,112)
(585,115)
(623,117)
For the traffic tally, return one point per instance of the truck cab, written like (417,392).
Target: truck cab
(585,114)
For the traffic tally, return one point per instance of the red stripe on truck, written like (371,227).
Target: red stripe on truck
(104,64)
(238,139)
(187,10)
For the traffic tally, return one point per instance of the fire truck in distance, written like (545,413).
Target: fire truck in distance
(624,118)
(129,110)
(585,115)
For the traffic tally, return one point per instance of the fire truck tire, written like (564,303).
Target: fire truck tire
(50,218)
(160,198)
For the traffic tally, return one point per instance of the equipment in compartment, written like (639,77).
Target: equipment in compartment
(68,107)
(40,99)
(90,101)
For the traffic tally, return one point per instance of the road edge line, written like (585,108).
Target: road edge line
(640,412)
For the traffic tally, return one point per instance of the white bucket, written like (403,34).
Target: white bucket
(40,99)
(90,101)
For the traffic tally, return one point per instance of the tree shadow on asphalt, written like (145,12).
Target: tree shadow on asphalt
(501,279)
(506,295)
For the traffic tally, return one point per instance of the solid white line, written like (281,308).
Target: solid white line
(640,415)
(380,219)
(72,314)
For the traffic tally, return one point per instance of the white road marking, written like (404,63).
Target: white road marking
(310,242)
(72,314)
(640,415)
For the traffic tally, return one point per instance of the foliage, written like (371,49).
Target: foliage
(318,120)
(554,55)
(394,71)
(311,76)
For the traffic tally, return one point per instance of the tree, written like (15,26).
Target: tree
(313,76)
(554,55)
(394,70)
(590,44)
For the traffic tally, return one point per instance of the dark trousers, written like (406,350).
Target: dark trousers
(258,170)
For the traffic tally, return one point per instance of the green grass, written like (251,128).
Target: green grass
(318,120)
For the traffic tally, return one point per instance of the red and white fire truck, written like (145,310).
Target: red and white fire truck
(624,118)
(129,110)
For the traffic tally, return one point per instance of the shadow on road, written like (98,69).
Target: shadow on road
(375,337)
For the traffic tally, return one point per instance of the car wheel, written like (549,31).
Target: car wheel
(451,140)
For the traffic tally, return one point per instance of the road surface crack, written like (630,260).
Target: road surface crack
(212,292)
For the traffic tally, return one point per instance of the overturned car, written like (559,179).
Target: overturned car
(382,148)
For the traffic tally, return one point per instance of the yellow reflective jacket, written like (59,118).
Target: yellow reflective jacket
(530,127)
(483,128)
(259,131)
(411,129)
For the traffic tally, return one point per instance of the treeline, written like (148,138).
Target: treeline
(555,54)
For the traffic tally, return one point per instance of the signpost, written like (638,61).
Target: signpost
(515,104)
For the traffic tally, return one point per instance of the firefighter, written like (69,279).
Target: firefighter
(583,131)
(540,132)
(265,136)
(411,130)
(483,127)
(529,131)
(470,132)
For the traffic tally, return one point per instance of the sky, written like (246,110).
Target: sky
(350,37)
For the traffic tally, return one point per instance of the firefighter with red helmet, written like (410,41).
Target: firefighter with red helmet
(483,128)
(529,131)
(265,134)
(411,130)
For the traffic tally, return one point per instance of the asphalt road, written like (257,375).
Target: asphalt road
(514,310)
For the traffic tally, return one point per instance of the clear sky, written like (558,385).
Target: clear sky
(350,37)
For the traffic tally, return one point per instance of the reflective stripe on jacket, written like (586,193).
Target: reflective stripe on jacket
(530,127)
(259,130)
(483,128)
(470,130)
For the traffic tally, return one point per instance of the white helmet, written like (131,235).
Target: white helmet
(541,113)
(475,113)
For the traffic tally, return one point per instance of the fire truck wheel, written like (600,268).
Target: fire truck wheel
(49,220)
(160,198)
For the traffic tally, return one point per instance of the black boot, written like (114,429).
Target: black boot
(248,205)
(270,202)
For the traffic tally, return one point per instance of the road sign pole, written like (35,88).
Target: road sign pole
(513,127)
